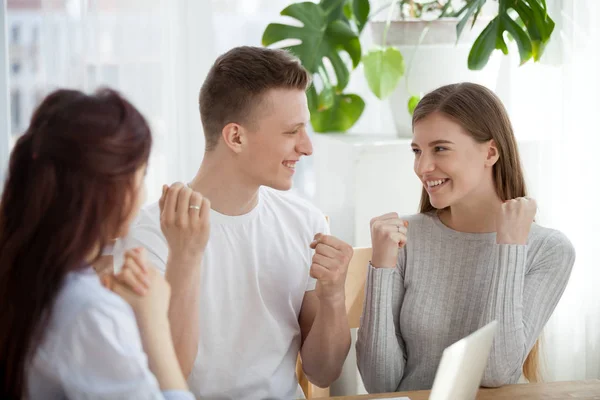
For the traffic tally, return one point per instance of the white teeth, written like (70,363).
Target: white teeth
(290,164)
(435,183)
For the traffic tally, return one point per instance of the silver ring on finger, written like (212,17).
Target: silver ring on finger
(194,207)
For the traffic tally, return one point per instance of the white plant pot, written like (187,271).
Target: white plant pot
(438,60)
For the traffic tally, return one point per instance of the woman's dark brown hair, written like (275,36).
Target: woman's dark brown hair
(69,190)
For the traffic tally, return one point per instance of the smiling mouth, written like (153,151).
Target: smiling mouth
(436,185)
(291,165)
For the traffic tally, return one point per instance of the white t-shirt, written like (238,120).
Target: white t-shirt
(92,349)
(254,275)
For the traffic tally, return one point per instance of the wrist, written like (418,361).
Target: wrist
(335,300)
(185,260)
(377,262)
(384,258)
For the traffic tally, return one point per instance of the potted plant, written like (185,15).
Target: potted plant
(430,34)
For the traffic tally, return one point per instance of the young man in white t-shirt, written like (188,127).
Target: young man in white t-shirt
(270,282)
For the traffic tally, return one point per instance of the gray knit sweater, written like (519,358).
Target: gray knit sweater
(446,285)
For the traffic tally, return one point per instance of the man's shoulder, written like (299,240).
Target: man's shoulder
(145,231)
(148,215)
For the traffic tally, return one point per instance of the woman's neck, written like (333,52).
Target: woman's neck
(477,215)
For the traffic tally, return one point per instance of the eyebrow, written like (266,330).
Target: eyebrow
(434,143)
(298,125)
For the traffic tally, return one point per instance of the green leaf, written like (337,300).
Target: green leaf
(540,29)
(476,15)
(412,103)
(341,34)
(326,98)
(334,9)
(501,44)
(361,9)
(348,11)
(319,38)
(530,23)
(484,45)
(346,110)
(472,8)
(312,98)
(445,9)
(383,69)
(341,71)
(531,31)
(458,13)
(520,36)
(543,22)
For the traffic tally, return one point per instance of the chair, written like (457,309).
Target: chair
(355,294)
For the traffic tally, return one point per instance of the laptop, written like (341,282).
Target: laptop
(462,365)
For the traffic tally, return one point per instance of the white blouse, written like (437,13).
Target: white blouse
(92,348)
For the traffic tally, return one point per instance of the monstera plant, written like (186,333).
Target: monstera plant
(326,39)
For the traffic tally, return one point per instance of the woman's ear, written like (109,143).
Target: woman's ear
(492,154)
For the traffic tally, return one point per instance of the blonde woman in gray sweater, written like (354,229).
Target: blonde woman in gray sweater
(472,255)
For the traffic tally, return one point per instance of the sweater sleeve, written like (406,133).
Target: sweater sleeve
(380,349)
(522,300)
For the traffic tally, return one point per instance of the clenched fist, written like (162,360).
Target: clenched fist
(388,234)
(514,219)
(330,266)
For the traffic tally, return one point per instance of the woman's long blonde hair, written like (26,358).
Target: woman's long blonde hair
(481,113)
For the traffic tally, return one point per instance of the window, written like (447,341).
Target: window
(15,67)
(35,35)
(34,51)
(15,34)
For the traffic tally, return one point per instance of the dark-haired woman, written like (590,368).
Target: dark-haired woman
(75,182)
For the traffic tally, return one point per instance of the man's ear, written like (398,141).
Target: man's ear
(234,136)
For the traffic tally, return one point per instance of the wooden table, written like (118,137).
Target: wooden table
(580,390)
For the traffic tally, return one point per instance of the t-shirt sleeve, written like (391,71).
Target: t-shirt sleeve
(321,226)
(146,233)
